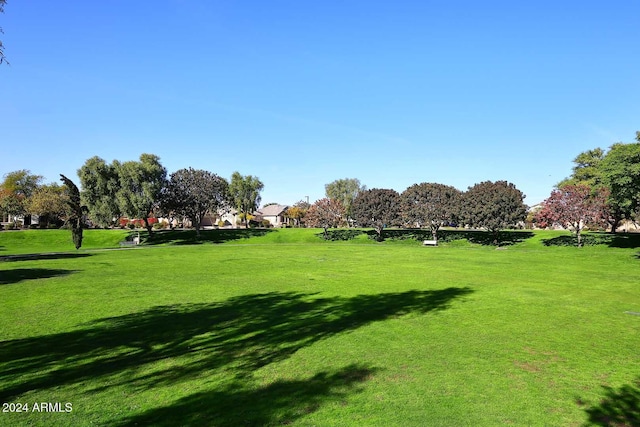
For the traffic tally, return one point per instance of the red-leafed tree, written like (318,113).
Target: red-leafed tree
(325,213)
(574,207)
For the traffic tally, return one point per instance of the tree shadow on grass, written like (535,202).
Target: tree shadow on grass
(505,237)
(618,240)
(8,277)
(236,336)
(279,403)
(618,408)
(341,234)
(41,257)
(189,237)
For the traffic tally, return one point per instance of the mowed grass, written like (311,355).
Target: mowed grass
(283,328)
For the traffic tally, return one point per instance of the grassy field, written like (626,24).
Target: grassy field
(282,328)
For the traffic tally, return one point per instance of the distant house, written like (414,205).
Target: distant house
(229,217)
(274,214)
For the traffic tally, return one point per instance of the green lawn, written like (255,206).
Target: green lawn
(282,328)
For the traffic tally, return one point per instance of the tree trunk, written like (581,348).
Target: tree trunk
(379,231)
(148,227)
(614,222)
(579,236)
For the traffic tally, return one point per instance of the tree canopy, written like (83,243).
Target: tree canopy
(244,193)
(431,205)
(76,212)
(326,213)
(575,207)
(192,193)
(345,191)
(15,190)
(100,183)
(621,173)
(50,202)
(377,208)
(140,186)
(494,206)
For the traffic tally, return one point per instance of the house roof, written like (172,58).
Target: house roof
(273,210)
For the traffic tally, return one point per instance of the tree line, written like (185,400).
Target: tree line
(602,191)
(490,205)
(139,189)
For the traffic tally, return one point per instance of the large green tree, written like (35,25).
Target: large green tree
(621,174)
(244,193)
(432,205)
(586,170)
(494,206)
(345,191)
(377,208)
(192,193)
(141,183)
(100,183)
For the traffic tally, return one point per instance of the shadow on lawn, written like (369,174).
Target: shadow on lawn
(189,237)
(233,337)
(41,257)
(8,277)
(619,407)
(279,403)
(618,240)
(506,237)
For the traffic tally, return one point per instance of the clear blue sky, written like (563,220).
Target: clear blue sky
(300,93)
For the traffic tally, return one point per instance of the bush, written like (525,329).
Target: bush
(160,225)
(11,226)
(131,226)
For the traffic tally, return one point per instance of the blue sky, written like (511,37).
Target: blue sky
(300,93)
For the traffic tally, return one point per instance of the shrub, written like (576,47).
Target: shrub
(131,225)
(11,226)
(160,225)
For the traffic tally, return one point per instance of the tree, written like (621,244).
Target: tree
(621,174)
(574,207)
(344,190)
(325,213)
(192,193)
(50,202)
(297,212)
(244,193)
(494,206)
(140,187)
(2,57)
(15,190)
(377,208)
(586,170)
(76,212)
(430,204)
(100,183)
